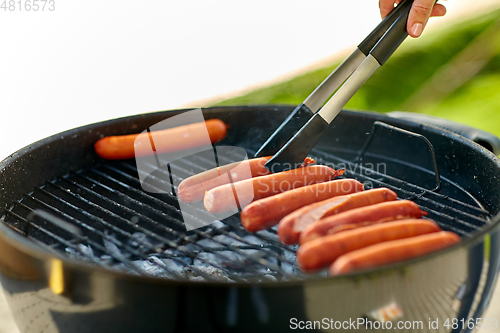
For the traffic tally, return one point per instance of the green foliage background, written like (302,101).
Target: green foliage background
(417,65)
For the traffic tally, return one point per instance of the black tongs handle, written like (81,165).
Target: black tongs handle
(301,114)
(296,150)
(392,39)
(374,37)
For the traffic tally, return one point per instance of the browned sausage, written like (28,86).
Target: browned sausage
(364,216)
(222,198)
(265,213)
(323,251)
(293,224)
(193,188)
(392,252)
(168,140)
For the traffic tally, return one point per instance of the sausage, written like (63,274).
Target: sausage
(193,188)
(364,216)
(290,227)
(265,213)
(392,252)
(323,251)
(222,198)
(168,140)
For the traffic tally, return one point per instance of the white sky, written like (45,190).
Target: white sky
(92,60)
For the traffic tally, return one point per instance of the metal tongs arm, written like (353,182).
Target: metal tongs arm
(293,153)
(301,114)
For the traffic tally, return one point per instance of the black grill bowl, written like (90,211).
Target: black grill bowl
(50,291)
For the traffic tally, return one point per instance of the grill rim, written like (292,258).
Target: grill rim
(41,253)
(19,241)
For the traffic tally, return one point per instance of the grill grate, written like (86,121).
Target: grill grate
(122,227)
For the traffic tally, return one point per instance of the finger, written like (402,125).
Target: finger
(438,10)
(419,15)
(386,6)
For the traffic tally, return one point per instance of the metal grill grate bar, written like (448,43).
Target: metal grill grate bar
(329,157)
(156,224)
(187,252)
(429,202)
(222,230)
(160,202)
(70,244)
(95,231)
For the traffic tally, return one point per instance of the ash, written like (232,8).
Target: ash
(222,258)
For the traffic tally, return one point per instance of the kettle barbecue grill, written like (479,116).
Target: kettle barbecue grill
(83,248)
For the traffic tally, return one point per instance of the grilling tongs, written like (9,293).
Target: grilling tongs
(307,123)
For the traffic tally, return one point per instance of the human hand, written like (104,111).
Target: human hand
(420,12)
